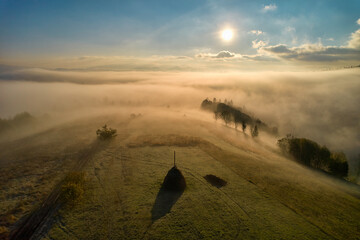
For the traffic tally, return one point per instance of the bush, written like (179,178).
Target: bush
(106,133)
(71,192)
(72,188)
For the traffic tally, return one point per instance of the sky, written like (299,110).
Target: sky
(179,35)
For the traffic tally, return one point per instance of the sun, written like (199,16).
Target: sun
(227,34)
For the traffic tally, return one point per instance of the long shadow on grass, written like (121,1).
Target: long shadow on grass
(171,190)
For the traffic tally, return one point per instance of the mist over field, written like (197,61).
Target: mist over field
(319,105)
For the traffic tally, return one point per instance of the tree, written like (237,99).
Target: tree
(255,131)
(226,116)
(338,164)
(312,154)
(243,125)
(216,115)
(235,118)
(320,160)
(207,105)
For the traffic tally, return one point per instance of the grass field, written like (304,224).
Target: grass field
(267,196)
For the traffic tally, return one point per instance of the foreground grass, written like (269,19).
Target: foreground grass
(123,188)
(266,195)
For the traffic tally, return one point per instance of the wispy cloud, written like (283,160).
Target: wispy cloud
(256,32)
(258,43)
(270,7)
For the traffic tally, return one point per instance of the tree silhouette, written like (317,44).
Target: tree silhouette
(226,116)
(312,154)
(243,125)
(255,131)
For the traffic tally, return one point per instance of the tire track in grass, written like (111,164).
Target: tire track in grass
(112,155)
(65,229)
(38,222)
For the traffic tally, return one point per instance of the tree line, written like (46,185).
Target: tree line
(232,115)
(312,154)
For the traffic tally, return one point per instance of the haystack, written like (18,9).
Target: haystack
(174,180)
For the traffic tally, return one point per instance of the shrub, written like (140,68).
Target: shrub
(71,192)
(72,188)
(106,133)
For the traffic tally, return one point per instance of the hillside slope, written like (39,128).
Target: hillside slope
(266,197)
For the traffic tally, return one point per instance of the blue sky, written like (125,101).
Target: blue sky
(32,29)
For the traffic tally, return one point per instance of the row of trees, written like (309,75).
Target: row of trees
(312,154)
(230,114)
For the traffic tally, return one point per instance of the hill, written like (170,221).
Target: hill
(266,196)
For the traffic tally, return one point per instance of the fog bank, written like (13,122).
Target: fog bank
(322,106)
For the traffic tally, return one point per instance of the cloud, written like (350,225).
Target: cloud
(317,52)
(354,41)
(259,58)
(258,44)
(278,49)
(221,54)
(78,77)
(313,52)
(358,21)
(271,7)
(224,54)
(256,32)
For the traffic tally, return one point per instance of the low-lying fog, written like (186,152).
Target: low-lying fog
(323,106)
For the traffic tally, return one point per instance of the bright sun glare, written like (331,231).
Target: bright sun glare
(227,34)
